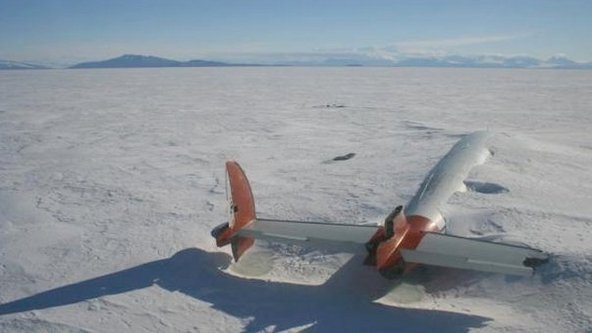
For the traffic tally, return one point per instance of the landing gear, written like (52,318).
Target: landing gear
(389,222)
(393,272)
(383,234)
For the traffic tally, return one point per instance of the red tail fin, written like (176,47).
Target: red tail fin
(242,211)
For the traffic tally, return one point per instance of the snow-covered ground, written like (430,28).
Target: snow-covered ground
(111,180)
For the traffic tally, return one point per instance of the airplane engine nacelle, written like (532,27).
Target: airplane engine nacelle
(399,232)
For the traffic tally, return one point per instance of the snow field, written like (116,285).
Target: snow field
(110,181)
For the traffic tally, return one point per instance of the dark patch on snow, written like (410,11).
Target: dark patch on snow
(485,187)
(344,157)
(455,136)
(330,106)
(419,126)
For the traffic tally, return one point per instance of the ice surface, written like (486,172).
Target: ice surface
(110,181)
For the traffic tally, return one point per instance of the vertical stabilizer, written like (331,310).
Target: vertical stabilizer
(242,211)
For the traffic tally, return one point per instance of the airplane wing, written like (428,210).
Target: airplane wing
(466,253)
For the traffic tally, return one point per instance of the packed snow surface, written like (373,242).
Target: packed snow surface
(111,180)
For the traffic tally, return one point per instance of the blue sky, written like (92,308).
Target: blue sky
(67,31)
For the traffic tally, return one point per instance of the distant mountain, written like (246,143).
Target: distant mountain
(353,62)
(563,62)
(333,60)
(130,61)
(139,61)
(208,63)
(7,64)
(473,62)
(454,61)
(203,63)
(490,62)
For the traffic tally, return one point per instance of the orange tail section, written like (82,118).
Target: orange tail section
(242,212)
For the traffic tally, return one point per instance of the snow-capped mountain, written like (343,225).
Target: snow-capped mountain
(412,60)
(490,61)
(7,64)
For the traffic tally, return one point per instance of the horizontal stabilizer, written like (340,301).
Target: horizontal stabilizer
(466,253)
(347,237)
(244,227)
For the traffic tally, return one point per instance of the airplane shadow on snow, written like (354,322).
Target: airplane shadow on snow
(343,303)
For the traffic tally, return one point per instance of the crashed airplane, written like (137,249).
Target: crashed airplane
(409,236)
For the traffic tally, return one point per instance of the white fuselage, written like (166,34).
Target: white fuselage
(448,176)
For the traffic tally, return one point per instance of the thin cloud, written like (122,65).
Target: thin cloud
(425,48)
(424,45)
